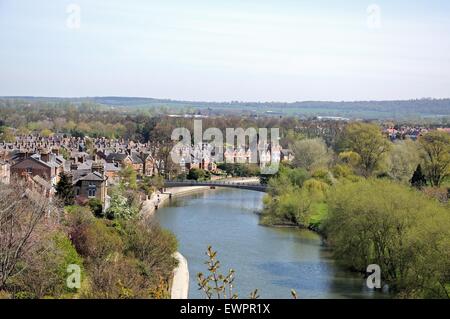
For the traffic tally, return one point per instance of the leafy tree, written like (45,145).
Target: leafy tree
(368,142)
(128,177)
(418,179)
(65,190)
(120,208)
(311,154)
(7,135)
(402,160)
(436,147)
(46,132)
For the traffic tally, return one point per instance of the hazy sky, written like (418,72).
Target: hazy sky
(248,50)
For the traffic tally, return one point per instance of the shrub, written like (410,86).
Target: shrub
(96,207)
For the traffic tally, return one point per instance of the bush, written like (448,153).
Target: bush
(240,170)
(46,274)
(96,207)
(121,208)
(198,174)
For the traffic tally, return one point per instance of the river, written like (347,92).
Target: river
(273,260)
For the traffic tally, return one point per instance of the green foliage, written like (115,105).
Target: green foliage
(96,207)
(128,177)
(46,274)
(150,184)
(402,160)
(65,190)
(7,135)
(123,259)
(46,132)
(436,148)
(198,174)
(418,179)
(407,234)
(290,208)
(120,207)
(152,246)
(367,141)
(311,154)
(240,170)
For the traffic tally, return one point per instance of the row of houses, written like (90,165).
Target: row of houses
(93,164)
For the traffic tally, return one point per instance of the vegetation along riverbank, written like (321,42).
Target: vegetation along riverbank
(375,202)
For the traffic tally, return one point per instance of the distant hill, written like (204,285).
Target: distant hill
(421,108)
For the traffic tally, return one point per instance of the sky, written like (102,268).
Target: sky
(210,50)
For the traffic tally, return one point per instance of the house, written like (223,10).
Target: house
(34,166)
(44,164)
(90,184)
(143,163)
(121,158)
(4,172)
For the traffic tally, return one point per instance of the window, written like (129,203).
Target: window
(29,170)
(92,190)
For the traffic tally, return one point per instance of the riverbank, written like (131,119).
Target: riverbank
(180,283)
(158,199)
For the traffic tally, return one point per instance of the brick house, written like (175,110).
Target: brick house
(35,166)
(90,184)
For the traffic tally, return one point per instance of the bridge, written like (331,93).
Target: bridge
(240,184)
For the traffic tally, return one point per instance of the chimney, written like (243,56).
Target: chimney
(98,167)
(45,156)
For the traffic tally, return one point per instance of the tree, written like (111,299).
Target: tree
(418,179)
(120,208)
(436,148)
(402,160)
(368,142)
(22,214)
(7,135)
(65,190)
(128,177)
(46,132)
(311,154)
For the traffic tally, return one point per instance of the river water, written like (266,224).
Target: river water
(273,260)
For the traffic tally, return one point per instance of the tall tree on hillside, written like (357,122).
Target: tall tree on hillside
(368,142)
(418,179)
(64,189)
(436,147)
